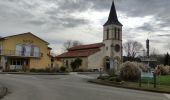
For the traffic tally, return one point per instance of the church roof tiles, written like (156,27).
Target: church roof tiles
(81,51)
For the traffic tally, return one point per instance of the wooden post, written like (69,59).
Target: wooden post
(140,80)
(154,80)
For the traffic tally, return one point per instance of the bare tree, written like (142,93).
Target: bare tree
(69,43)
(132,48)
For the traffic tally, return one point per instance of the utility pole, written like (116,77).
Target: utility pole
(147,47)
(147,52)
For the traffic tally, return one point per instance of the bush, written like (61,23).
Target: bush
(55,69)
(112,78)
(46,70)
(81,70)
(142,66)
(129,71)
(62,69)
(165,70)
(103,77)
(33,70)
(111,72)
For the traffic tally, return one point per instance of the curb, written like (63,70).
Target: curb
(25,73)
(119,86)
(88,73)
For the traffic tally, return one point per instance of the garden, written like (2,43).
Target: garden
(130,75)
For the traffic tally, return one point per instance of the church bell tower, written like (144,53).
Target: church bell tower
(112,39)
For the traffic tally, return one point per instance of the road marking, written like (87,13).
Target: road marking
(167,95)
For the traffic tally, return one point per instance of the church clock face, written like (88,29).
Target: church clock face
(117,47)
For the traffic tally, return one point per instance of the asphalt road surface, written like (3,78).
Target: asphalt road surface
(68,87)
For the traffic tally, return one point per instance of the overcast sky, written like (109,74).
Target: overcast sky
(57,21)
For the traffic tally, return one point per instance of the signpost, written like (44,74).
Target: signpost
(147,76)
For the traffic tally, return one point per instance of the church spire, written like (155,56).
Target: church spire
(112,19)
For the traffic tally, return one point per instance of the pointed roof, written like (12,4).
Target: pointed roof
(112,19)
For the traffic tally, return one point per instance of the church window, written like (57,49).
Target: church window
(107,34)
(115,33)
(118,34)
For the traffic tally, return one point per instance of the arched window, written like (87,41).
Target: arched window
(118,34)
(107,34)
(115,33)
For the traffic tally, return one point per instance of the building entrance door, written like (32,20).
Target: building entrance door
(107,64)
(18,64)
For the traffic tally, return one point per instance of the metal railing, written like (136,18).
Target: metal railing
(20,53)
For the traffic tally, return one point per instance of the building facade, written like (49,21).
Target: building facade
(107,54)
(23,52)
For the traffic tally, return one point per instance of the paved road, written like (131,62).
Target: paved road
(68,87)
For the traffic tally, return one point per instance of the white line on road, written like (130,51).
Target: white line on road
(167,95)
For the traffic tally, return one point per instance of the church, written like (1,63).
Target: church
(106,54)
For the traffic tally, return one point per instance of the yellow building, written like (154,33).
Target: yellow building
(23,52)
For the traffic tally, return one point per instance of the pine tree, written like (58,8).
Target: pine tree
(167,59)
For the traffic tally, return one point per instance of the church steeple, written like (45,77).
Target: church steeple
(112,19)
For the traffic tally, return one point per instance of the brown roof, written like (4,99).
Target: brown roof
(89,46)
(81,51)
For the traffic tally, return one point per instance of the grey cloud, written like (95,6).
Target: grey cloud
(163,35)
(147,27)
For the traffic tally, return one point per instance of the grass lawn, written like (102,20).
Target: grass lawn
(163,80)
(134,85)
(163,84)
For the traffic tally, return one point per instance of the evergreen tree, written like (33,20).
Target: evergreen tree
(167,59)
(76,64)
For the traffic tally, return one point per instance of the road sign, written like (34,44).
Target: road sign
(147,75)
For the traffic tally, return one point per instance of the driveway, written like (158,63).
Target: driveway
(68,87)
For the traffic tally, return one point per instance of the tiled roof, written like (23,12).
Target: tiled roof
(81,51)
(89,46)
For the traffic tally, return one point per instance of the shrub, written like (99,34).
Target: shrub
(142,66)
(62,69)
(165,70)
(111,72)
(55,69)
(46,70)
(112,78)
(82,70)
(129,71)
(103,77)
